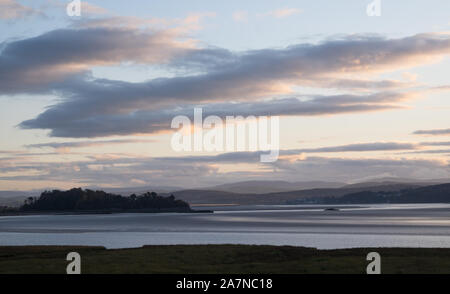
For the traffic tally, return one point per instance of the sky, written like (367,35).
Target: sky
(88,100)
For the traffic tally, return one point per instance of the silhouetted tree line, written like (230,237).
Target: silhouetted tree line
(429,194)
(79,199)
(6,209)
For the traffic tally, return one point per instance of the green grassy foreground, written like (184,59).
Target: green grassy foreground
(244,259)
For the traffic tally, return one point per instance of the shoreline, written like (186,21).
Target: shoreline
(87,212)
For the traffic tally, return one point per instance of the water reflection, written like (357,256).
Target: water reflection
(414,225)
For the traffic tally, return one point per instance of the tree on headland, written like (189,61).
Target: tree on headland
(79,199)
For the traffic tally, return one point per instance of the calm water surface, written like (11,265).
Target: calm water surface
(408,225)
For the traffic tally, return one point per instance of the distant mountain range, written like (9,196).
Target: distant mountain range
(258,187)
(263,192)
(199,197)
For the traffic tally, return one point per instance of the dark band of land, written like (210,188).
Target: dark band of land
(79,201)
(221,259)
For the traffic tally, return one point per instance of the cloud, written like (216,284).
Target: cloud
(254,156)
(435,151)
(344,169)
(75,118)
(11,10)
(362,85)
(119,171)
(245,74)
(363,147)
(89,8)
(283,12)
(66,146)
(442,143)
(40,64)
(37,64)
(100,107)
(240,16)
(409,76)
(195,171)
(376,146)
(7,151)
(179,25)
(436,132)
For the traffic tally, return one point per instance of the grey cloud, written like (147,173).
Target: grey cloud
(442,143)
(254,157)
(361,147)
(64,121)
(235,75)
(101,107)
(434,151)
(91,143)
(45,62)
(436,132)
(358,84)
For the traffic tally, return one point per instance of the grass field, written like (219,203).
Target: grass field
(235,259)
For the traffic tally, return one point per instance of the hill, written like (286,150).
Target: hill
(429,194)
(259,187)
(196,197)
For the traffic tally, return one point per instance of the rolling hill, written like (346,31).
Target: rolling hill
(196,197)
(259,187)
